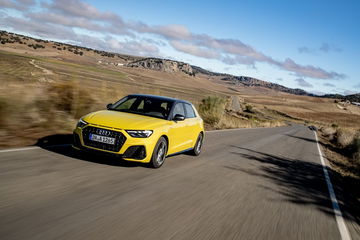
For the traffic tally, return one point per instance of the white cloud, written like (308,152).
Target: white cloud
(324,48)
(329,85)
(194,49)
(59,18)
(302,83)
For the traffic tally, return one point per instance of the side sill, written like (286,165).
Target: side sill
(177,153)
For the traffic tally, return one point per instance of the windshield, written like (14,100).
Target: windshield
(143,105)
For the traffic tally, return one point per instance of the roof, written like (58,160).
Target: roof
(160,98)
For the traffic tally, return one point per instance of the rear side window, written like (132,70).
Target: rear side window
(189,111)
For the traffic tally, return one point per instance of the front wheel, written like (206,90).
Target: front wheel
(159,154)
(198,145)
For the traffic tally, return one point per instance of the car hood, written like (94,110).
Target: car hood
(123,120)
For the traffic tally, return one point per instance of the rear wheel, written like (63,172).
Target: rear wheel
(198,145)
(159,154)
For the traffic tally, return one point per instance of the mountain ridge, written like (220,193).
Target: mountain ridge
(165,65)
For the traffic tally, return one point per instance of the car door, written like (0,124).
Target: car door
(178,134)
(192,124)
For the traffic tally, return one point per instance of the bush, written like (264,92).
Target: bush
(344,137)
(211,109)
(356,148)
(69,98)
(248,108)
(3,110)
(328,132)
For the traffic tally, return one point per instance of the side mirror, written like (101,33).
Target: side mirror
(179,117)
(109,105)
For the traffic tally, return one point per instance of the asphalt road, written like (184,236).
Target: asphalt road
(247,184)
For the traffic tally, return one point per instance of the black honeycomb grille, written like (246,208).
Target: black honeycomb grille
(119,139)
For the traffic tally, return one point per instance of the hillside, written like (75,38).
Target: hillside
(351,98)
(155,64)
(46,86)
(250,82)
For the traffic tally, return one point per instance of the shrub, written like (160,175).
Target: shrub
(328,132)
(3,109)
(334,125)
(69,98)
(356,148)
(344,137)
(211,109)
(248,108)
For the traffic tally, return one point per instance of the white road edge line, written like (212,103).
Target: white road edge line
(31,148)
(344,232)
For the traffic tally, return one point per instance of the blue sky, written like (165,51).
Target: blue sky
(313,45)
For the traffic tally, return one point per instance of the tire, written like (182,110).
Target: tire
(198,145)
(159,154)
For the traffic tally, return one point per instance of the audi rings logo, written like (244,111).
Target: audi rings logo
(103,132)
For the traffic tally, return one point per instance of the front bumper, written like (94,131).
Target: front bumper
(127,147)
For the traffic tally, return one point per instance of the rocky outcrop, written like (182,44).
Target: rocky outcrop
(163,65)
(350,98)
(253,82)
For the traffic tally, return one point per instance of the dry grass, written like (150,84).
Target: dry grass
(46,103)
(311,109)
(228,121)
(211,109)
(70,98)
(356,151)
(218,115)
(54,110)
(342,147)
(344,137)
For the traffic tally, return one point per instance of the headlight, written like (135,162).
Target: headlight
(140,133)
(81,123)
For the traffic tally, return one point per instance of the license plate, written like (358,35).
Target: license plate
(103,139)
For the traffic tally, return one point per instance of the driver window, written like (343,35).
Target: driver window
(179,109)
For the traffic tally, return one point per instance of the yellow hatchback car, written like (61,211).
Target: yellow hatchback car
(142,128)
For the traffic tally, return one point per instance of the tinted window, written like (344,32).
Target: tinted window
(126,104)
(179,109)
(189,111)
(143,105)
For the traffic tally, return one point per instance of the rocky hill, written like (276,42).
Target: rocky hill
(253,82)
(199,70)
(351,98)
(163,65)
(250,82)
(156,64)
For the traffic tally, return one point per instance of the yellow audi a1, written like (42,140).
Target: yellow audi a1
(142,128)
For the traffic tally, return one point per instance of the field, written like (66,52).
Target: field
(44,91)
